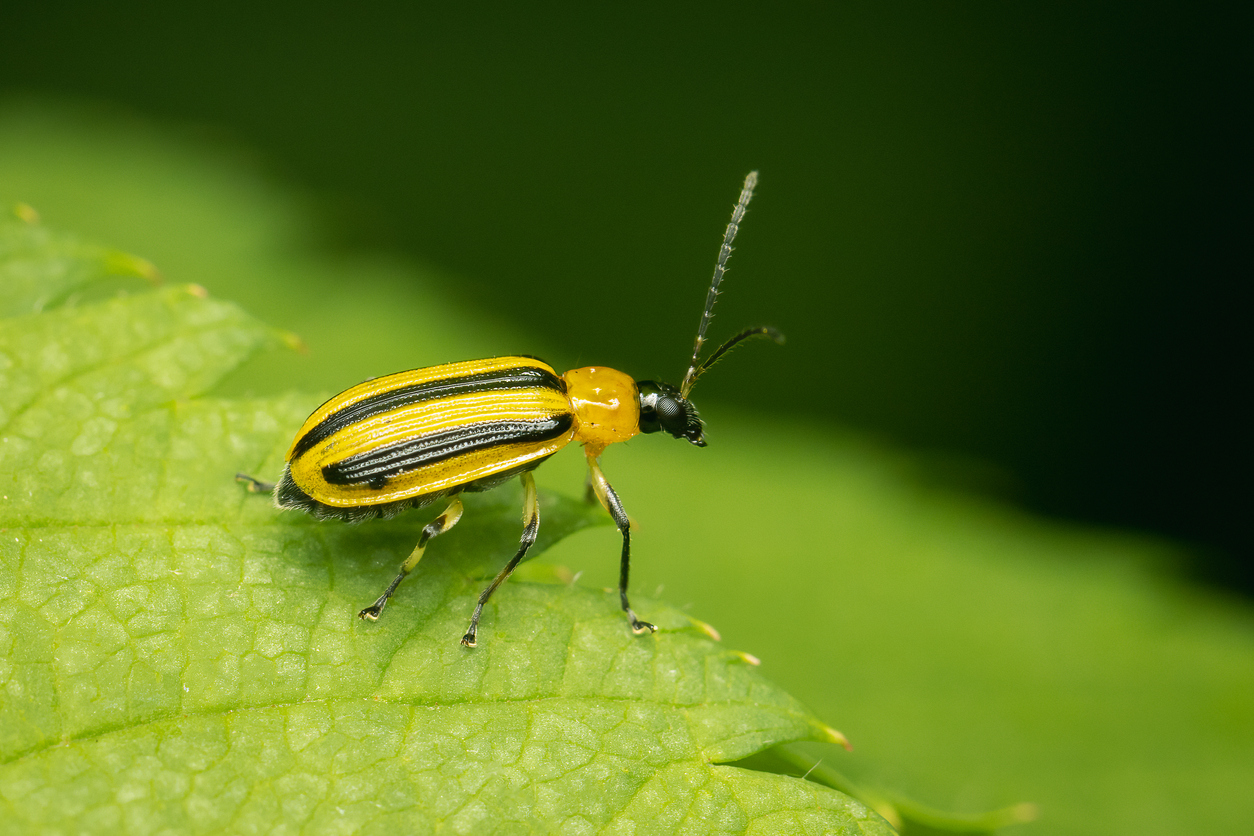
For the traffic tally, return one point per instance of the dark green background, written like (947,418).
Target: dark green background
(1004,233)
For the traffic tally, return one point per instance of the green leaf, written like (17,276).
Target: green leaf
(976,656)
(40,269)
(177,656)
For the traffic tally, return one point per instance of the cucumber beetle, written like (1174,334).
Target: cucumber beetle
(410,439)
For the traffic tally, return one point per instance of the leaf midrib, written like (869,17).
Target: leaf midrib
(522,701)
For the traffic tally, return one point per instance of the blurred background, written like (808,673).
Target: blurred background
(997,476)
(1008,237)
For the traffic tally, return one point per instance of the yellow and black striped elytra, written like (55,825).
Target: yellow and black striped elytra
(410,439)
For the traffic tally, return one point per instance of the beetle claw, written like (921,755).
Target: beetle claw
(641,627)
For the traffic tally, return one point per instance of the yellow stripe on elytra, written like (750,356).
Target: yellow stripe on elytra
(378,385)
(427,417)
(441,476)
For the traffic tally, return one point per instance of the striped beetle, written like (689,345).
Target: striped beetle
(409,439)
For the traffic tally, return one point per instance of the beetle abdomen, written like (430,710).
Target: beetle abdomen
(404,440)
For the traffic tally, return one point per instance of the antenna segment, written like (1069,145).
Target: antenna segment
(724,253)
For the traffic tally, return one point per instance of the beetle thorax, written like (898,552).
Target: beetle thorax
(605,403)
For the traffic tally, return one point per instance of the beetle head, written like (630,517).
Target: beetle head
(663,408)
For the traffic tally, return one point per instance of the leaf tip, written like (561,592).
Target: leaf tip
(707,628)
(26,213)
(831,735)
(294,342)
(747,658)
(889,813)
(124,264)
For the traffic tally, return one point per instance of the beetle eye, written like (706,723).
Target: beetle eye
(662,408)
(669,412)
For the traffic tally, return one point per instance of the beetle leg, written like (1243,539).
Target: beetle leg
(435,528)
(255,485)
(610,500)
(531,525)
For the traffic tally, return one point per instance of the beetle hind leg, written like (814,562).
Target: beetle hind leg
(435,528)
(254,484)
(531,526)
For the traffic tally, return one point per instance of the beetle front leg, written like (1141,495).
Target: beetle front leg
(609,499)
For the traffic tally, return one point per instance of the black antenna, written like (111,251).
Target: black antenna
(724,253)
(759,331)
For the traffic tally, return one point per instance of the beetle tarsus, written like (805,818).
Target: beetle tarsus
(469,639)
(640,627)
(372,612)
(255,485)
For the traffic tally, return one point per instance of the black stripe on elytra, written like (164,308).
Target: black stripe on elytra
(375,467)
(524,377)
